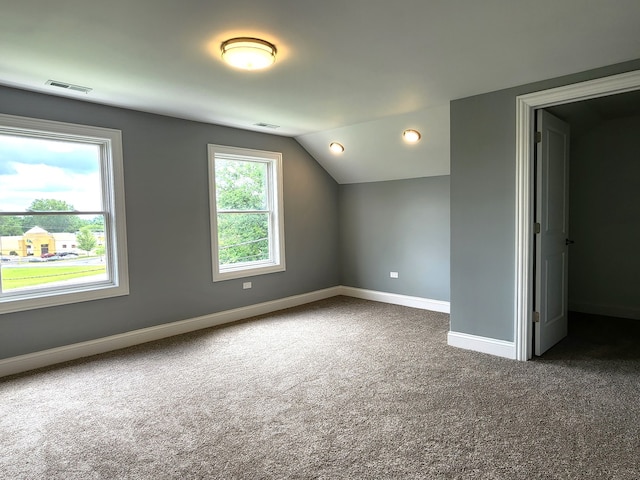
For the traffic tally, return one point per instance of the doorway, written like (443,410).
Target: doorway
(526,105)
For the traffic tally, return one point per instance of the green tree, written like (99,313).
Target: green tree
(96,224)
(243,237)
(52,223)
(85,240)
(47,204)
(241,190)
(100,251)
(11,225)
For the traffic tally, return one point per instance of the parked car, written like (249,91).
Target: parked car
(47,255)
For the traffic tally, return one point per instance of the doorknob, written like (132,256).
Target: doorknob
(569,242)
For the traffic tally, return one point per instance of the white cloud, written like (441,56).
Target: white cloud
(33,181)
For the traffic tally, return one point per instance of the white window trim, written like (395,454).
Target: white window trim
(112,173)
(249,269)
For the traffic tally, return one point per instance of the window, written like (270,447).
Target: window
(60,184)
(247,230)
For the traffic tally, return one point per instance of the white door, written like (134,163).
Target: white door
(552,214)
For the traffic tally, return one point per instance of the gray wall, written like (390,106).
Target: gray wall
(165,163)
(400,226)
(604,263)
(483,205)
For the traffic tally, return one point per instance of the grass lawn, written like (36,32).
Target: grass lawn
(32,276)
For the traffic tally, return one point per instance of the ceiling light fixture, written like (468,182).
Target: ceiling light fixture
(248,53)
(336,147)
(411,136)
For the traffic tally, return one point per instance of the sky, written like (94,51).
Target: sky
(33,168)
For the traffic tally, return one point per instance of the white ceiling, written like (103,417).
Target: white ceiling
(355,71)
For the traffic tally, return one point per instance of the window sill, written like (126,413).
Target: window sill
(51,299)
(243,272)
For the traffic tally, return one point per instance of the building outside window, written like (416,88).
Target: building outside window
(247,225)
(60,183)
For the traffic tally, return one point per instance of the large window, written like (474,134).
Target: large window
(62,226)
(246,212)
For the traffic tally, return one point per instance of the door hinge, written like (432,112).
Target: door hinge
(536,317)
(536,228)
(538,137)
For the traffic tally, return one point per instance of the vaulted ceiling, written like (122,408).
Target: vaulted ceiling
(354,71)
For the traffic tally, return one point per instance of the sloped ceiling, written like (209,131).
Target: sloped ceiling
(355,71)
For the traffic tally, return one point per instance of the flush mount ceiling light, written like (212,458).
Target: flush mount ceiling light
(411,136)
(248,53)
(336,147)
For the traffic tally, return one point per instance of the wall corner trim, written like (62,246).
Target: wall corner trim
(397,299)
(499,348)
(45,358)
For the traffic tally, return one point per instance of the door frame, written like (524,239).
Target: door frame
(525,115)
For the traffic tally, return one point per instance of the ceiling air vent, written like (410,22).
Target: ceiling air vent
(68,86)
(266,125)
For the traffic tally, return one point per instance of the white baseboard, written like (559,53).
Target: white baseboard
(23,363)
(500,348)
(396,299)
(606,310)
(44,358)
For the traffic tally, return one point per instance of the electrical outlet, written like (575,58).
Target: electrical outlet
(246,285)
(393,274)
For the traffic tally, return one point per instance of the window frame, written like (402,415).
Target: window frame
(113,209)
(276,263)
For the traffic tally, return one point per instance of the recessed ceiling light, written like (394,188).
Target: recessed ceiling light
(336,147)
(248,53)
(411,136)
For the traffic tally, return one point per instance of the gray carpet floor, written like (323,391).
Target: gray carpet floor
(341,388)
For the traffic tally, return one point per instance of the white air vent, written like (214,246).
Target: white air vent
(266,125)
(68,86)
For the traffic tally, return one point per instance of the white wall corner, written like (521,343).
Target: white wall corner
(397,299)
(499,348)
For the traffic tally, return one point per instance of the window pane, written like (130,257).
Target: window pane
(241,185)
(246,212)
(40,258)
(62,237)
(39,175)
(243,237)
